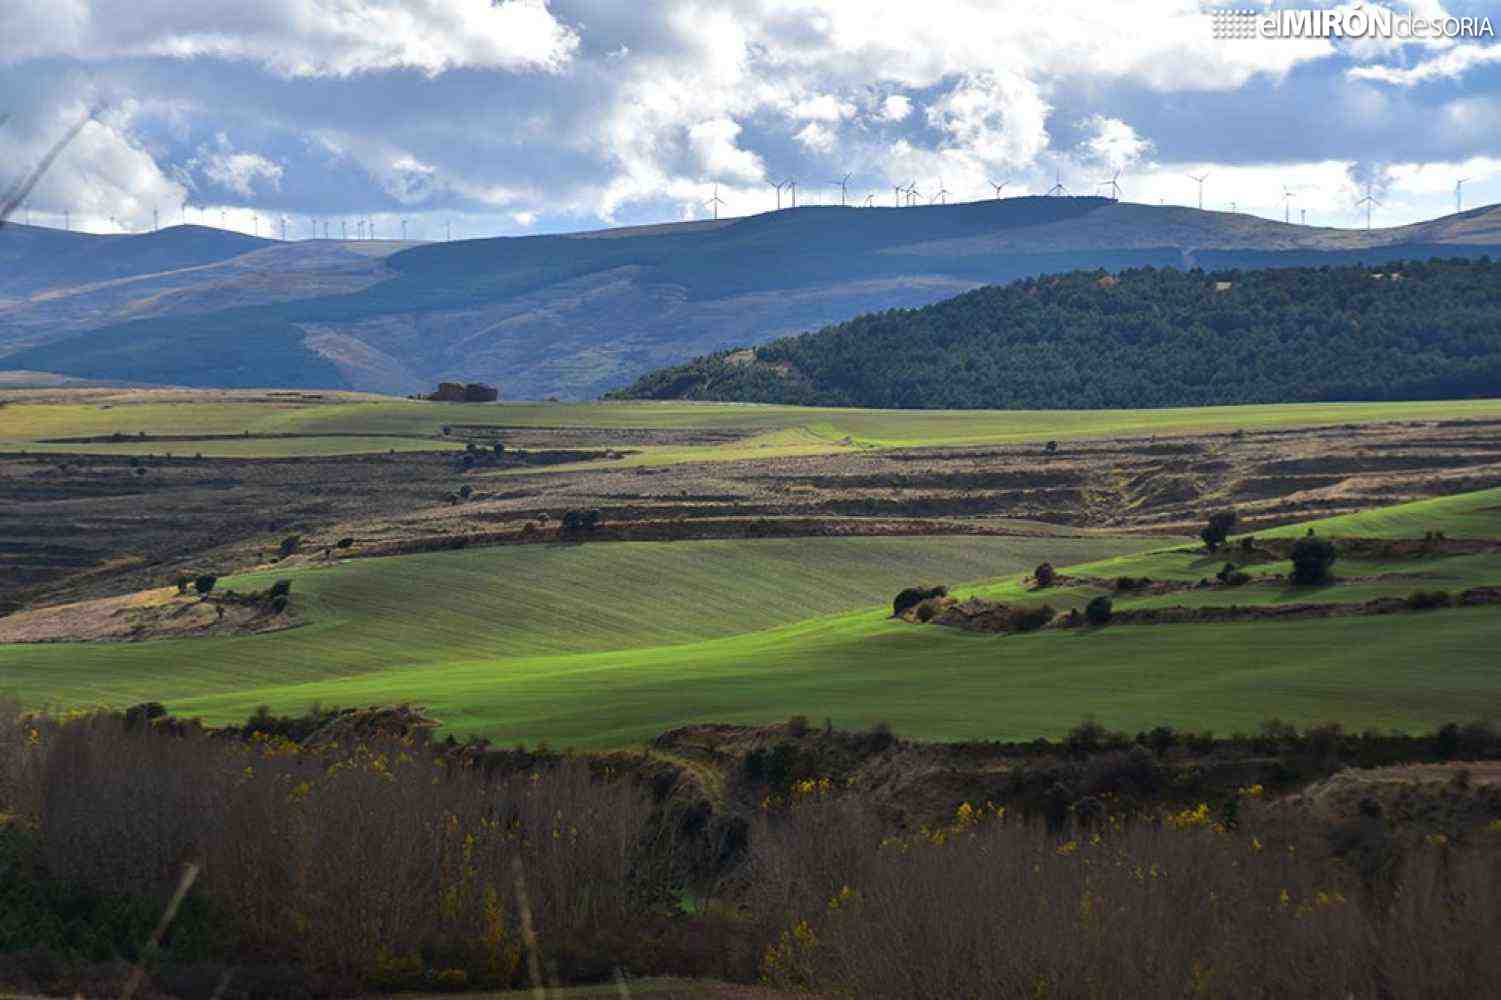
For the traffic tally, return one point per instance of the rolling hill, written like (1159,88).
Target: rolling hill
(1143,337)
(579,314)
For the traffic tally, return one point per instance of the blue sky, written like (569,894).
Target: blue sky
(527,116)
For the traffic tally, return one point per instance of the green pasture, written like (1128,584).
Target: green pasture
(772,431)
(610,643)
(509,603)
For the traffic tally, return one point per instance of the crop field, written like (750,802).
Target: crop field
(758,431)
(603,644)
(504,605)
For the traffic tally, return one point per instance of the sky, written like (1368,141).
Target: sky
(477,118)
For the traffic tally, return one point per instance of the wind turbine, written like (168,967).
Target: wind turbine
(403,230)
(912,193)
(255,224)
(156,220)
(897,193)
(870,201)
(715,201)
(791,185)
(448,231)
(1367,201)
(843,185)
(1459,194)
(1058,189)
(1200,181)
(998,188)
(942,197)
(779,195)
(1115,189)
(1287,205)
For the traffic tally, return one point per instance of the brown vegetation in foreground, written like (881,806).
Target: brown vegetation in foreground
(369,858)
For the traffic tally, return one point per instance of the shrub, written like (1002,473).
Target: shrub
(1312,559)
(182,582)
(279,603)
(913,596)
(1248,544)
(500,449)
(290,544)
(280,588)
(466,491)
(1099,611)
(1218,528)
(343,543)
(582,520)
(1045,575)
(1232,577)
(1125,583)
(1424,600)
(1031,619)
(204,582)
(927,609)
(880,736)
(1051,447)
(798,725)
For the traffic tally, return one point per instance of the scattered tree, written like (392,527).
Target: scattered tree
(913,596)
(204,582)
(1312,557)
(1220,524)
(1099,611)
(1044,575)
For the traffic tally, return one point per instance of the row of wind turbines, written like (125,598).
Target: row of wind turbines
(908,195)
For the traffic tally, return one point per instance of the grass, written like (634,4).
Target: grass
(781,430)
(601,645)
(507,605)
(1464,515)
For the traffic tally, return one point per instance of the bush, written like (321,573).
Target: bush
(281,588)
(290,544)
(926,610)
(1099,611)
(1424,600)
(1031,619)
(500,449)
(582,520)
(1214,533)
(798,725)
(466,491)
(1045,575)
(182,582)
(913,596)
(1232,577)
(1312,559)
(343,543)
(1126,583)
(204,582)
(279,603)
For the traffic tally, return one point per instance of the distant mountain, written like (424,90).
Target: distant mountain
(576,315)
(33,258)
(1139,338)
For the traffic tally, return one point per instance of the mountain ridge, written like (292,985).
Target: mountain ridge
(578,314)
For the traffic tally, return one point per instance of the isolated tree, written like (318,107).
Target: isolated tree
(204,582)
(1313,557)
(1214,533)
(1045,575)
(1099,611)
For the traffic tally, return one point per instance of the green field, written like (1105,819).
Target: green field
(505,605)
(782,430)
(609,643)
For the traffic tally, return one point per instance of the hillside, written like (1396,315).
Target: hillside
(579,314)
(1147,337)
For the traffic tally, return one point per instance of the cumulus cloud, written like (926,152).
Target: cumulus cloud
(896,107)
(822,108)
(818,138)
(1451,65)
(1114,143)
(997,117)
(298,37)
(236,171)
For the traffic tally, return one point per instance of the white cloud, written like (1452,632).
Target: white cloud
(527,219)
(298,37)
(822,108)
(816,137)
(999,118)
(1114,143)
(718,155)
(236,170)
(1449,66)
(896,107)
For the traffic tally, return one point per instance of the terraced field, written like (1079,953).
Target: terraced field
(36,420)
(603,644)
(504,606)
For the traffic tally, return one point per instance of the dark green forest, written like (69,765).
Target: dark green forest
(1143,337)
